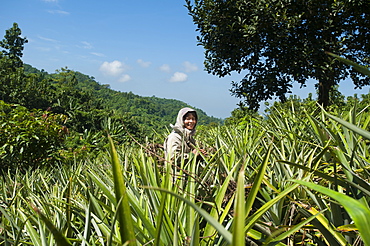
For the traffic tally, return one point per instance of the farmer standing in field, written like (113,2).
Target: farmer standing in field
(180,142)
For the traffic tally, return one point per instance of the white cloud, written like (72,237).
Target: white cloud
(44,49)
(61,12)
(86,45)
(97,54)
(114,68)
(48,39)
(51,45)
(189,67)
(143,63)
(179,77)
(165,68)
(124,78)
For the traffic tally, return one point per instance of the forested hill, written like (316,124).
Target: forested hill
(149,112)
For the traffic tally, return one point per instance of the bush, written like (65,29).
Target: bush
(29,139)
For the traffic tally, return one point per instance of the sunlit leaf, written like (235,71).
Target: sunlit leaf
(123,209)
(359,213)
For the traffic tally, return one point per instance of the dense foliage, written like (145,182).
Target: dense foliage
(278,42)
(299,176)
(150,112)
(90,110)
(29,139)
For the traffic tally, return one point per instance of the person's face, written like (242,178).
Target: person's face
(190,121)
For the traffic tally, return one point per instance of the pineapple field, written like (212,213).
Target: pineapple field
(298,176)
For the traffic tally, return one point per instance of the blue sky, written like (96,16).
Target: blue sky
(144,46)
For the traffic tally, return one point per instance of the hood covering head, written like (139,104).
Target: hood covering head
(179,126)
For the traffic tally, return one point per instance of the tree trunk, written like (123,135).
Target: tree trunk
(326,85)
(324,89)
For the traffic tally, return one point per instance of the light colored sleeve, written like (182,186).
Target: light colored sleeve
(173,145)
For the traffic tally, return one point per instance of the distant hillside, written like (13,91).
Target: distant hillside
(150,112)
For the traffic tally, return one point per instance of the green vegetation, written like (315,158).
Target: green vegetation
(245,190)
(89,111)
(71,174)
(29,139)
(281,42)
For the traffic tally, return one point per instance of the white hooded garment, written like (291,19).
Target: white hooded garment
(180,142)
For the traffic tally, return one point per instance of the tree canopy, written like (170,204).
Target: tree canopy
(279,42)
(87,103)
(13,45)
(65,115)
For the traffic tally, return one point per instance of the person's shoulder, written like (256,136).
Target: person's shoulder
(174,134)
